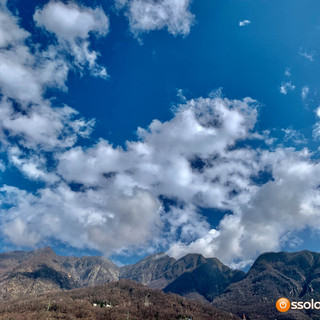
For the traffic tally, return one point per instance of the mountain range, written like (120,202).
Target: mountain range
(295,276)
(250,295)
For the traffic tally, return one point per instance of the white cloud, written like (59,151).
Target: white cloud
(288,203)
(294,136)
(288,72)
(25,74)
(112,196)
(107,178)
(2,166)
(286,86)
(307,55)
(10,32)
(305,92)
(148,15)
(101,219)
(164,157)
(42,126)
(316,131)
(72,25)
(317,111)
(316,127)
(33,166)
(244,23)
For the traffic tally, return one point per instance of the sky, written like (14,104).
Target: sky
(129,127)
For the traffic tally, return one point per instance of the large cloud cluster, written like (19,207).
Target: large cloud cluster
(151,194)
(38,137)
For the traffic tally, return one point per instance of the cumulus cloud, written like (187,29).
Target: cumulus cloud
(25,75)
(148,15)
(42,125)
(244,23)
(28,121)
(185,158)
(174,158)
(151,193)
(286,86)
(100,219)
(287,203)
(32,129)
(72,24)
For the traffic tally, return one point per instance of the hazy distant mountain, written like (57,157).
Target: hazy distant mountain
(115,301)
(42,270)
(295,276)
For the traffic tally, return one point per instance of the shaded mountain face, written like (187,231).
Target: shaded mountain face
(208,279)
(158,270)
(114,301)
(192,276)
(295,276)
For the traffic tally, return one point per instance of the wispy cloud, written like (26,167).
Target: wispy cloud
(305,92)
(307,55)
(294,136)
(243,23)
(286,86)
(316,127)
(288,72)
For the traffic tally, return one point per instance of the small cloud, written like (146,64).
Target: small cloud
(288,72)
(305,92)
(318,112)
(307,55)
(295,136)
(146,15)
(316,131)
(243,23)
(2,166)
(286,86)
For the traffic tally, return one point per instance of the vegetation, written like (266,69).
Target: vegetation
(117,300)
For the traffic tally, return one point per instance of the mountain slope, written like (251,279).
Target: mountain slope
(114,301)
(31,273)
(208,279)
(25,273)
(295,276)
(149,271)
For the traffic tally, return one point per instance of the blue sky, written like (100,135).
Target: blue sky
(135,126)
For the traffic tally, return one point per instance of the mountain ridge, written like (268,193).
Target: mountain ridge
(294,275)
(42,270)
